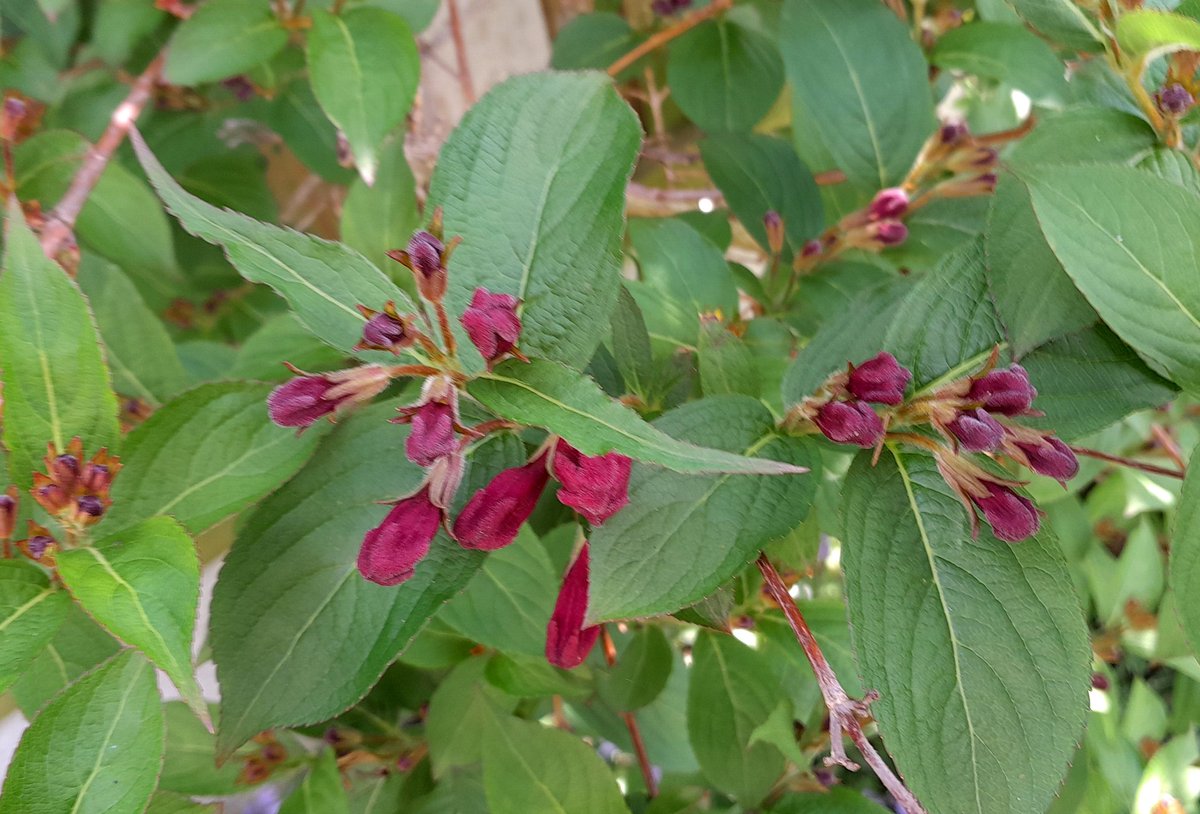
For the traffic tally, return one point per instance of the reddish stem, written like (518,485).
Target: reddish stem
(1129,462)
(1168,445)
(635,734)
(667,34)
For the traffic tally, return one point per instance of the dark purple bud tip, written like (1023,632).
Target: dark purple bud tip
(889,204)
(492,323)
(977,431)
(811,248)
(390,551)
(1099,681)
(1008,392)
(1174,99)
(881,380)
(596,486)
(889,232)
(494,514)
(1051,458)
(952,133)
(850,422)
(301,401)
(386,332)
(8,515)
(425,253)
(90,505)
(37,545)
(568,642)
(1011,516)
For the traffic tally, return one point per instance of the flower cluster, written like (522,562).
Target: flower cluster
(975,414)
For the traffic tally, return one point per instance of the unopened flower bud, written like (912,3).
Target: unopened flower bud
(8,513)
(1011,516)
(850,422)
(64,469)
(953,133)
(1174,99)
(977,431)
(596,486)
(568,642)
(390,551)
(881,380)
(96,478)
(39,544)
(386,330)
(492,324)
(889,204)
(303,400)
(888,232)
(433,421)
(494,514)
(444,478)
(1051,458)
(425,256)
(811,248)
(90,505)
(1007,392)
(775,235)
(49,495)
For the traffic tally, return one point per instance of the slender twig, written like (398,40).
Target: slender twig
(667,34)
(1168,445)
(844,711)
(60,223)
(635,734)
(444,324)
(1129,462)
(460,53)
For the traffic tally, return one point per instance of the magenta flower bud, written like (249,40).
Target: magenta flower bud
(811,248)
(432,435)
(8,514)
(568,642)
(880,380)
(1007,392)
(977,431)
(385,331)
(492,323)
(596,486)
(775,234)
(1051,458)
(494,514)
(1174,99)
(95,477)
(425,257)
(952,133)
(850,422)
(391,550)
(889,232)
(304,399)
(36,546)
(90,505)
(888,204)
(1012,517)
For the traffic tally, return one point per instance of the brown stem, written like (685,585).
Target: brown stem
(667,34)
(444,324)
(1129,462)
(460,53)
(60,223)
(844,711)
(1168,445)
(635,734)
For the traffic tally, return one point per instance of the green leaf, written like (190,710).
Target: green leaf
(321,280)
(295,115)
(679,262)
(1124,237)
(144,586)
(508,603)
(543,394)
(726,362)
(282,337)
(723,76)
(321,791)
(1061,21)
(642,670)
(78,646)
(837,800)
(96,747)
(55,382)
(533,180)
(382,217)
(140,352)
(223,38)
(364,70)
(459,705)
(732,693)
(1145,35)
(631,346)
(760,174)
(1004,53)
(1090,379)
(31,611)
(593,41)
(862,83)
(204,456)
(297,634)
(681,536)
(1184,567)
(977,647)
(533,769)
(190,763)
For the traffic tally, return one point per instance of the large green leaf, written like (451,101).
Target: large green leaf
(381,217)
(543,394)
(682,264)
(208,454)
(723,76)
(298,635)
(55,381)
(1005,53)
(78,646)
(1061,21)
(593,41)
(95,748)
(321,790)
(1130,242)
(144,586)
(533,181)
(862,83)
(31,611)
(322,281)
(681,536)
(223,38)
(1147,34)
(732,692)
(977,647)
(1184,570)
(364,69)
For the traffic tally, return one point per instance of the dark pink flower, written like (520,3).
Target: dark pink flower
(425,256)
(850,422)
(1051,458)
(1007,392)
(385,331)
(596,486)
(494,514)
(888,204)
(304,399)
(1011,516)
(889,232)
(434,421)
(881,380)
(568,642)
(391,550)
(977,431)
(492,323)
